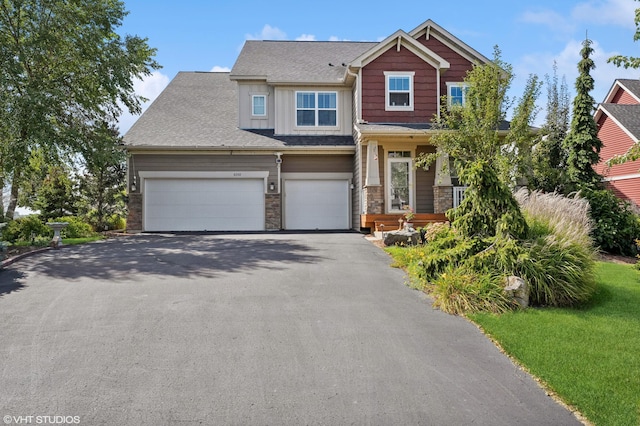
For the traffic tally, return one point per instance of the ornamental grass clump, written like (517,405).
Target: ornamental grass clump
(558,261)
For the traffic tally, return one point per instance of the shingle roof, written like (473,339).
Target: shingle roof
(199,110)
(297,61)
(627,115)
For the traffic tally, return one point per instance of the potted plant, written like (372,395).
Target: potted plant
(408,216)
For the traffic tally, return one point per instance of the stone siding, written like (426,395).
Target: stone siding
(442,198)
(273,217)
(134,216)
(373,200)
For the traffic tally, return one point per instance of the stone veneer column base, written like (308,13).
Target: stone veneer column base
(134,215)
(442,198)
(273,217)
(373,199)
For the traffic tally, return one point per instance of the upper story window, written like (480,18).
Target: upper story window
(399,91)
(317,109)
(259,105)
(457,93)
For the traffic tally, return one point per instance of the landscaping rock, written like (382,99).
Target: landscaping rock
(402,238)
(518,290)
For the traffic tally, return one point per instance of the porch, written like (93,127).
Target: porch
(391,222)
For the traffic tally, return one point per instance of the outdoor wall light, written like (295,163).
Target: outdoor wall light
(133,185)
(272,186)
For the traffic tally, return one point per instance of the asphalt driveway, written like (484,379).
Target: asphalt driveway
(263,329)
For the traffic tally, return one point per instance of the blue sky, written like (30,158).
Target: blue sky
(204,35)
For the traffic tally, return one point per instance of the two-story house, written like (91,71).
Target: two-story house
(299,135)
(618,120)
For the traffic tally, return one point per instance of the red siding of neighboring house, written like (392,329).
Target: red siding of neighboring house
(627,189)
(624,98)
(459,65)
(617,141)
(373,88)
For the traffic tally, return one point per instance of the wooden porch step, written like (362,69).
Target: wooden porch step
(390,221)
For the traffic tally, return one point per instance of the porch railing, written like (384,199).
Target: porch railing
(458,195)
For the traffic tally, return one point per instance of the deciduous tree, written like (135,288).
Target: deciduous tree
(63,68)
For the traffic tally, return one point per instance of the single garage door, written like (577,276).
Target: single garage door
(204,205)
(316,204)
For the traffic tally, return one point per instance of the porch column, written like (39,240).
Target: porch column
(373,192)
(442,188)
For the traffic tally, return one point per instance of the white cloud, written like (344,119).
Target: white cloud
(619,13)
(268,33)
(149,87)
(218,68)
(548,18)
(306,37)
(606,12)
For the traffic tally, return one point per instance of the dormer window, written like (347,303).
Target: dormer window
(259,105)
(318,109)
(399,91)
(457,93)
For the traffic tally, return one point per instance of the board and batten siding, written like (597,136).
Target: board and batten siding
(425,180)
(246,119)
(425,90)
(285,115)
(459,64)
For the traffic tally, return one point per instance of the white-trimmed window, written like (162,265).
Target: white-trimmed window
(259,105)
(457,93)
(399,91)
(317,109)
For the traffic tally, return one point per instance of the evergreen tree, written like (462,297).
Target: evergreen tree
(582,143)
(549,157)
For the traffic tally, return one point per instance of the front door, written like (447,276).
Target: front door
(400,182)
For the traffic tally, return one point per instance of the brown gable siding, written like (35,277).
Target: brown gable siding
(459,64)
(615,141)
(373,88)
(622,97)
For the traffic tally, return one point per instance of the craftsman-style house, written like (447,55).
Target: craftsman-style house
(299,135)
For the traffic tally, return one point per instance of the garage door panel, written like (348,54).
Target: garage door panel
(316,204)
(204,204)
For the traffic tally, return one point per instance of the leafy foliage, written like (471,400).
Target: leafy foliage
(615,225)
(629,61)
(25,229)
(76,227)
(582,143)
(57,194)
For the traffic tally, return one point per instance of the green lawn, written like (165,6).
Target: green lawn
(589,356)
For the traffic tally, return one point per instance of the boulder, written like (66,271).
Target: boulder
(401,238)
(518,290)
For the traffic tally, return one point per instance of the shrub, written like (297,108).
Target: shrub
(26,229)
(615,225)
(76,228)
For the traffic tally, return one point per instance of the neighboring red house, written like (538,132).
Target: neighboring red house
(618,120)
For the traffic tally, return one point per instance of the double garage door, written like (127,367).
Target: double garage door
(239,204)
